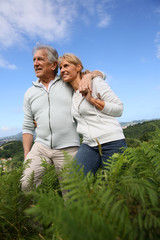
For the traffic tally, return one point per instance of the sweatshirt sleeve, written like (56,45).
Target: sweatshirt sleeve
(28,123)
(113,105)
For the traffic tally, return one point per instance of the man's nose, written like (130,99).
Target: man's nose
(36,62)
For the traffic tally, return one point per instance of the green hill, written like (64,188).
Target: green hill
(140,132)
(13,150)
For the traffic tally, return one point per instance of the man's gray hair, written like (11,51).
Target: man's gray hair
(52,53)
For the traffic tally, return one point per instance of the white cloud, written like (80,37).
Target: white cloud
(157,41)
(158,51)
(4,128)
(46,20)
(105,18)
(6,131)
(5,64)
(105,21)
(98,9)
(157,10)
(50,20)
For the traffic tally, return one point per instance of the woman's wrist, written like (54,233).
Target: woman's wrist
(97,103)
(92,100)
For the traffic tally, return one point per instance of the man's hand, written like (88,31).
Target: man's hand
(86,82)
(35,123)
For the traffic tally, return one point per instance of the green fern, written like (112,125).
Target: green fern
(122,202)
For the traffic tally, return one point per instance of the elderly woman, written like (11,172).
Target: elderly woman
(95,115)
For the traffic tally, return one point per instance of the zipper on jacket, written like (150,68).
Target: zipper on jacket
(49,119)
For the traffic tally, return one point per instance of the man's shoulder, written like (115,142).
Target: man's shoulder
(31,90)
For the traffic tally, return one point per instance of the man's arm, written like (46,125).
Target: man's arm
(86,81)
(27,143)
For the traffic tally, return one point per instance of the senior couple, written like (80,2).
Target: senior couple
(63,107)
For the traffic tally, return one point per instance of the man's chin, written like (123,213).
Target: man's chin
(38,74)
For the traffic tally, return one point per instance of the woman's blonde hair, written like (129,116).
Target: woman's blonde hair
(71,58)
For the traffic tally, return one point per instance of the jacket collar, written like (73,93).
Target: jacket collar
(37,83)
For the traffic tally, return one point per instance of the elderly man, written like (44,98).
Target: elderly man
(48,102)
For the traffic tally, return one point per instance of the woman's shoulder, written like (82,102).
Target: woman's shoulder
(99,81)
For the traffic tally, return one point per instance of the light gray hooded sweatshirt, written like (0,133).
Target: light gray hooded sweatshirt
(94,124)
(52,112)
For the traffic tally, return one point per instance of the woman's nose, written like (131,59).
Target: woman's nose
(61,70)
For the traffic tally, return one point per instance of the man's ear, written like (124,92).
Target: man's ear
(54,65)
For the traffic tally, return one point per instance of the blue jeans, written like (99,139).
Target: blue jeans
(90,158)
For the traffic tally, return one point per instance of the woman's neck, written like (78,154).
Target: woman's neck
(75,84)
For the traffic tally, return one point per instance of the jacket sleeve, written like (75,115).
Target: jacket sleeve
(28,123)
(113,105)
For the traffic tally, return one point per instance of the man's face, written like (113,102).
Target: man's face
(43,68)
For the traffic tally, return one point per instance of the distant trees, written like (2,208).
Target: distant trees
(14,150)
(10,149)
(140,132)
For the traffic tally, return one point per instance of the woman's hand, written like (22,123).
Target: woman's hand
(88,96)
(98,103)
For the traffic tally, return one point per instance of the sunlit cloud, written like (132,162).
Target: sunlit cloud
(50,20)
(158,51)
(158,87)
(98,9)
(143,60)
(104,17)
(157,41)
(5,64)
(46,20)
(158,10)
(4,128)
(8,131)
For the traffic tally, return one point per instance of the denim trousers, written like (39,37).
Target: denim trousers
(91,159)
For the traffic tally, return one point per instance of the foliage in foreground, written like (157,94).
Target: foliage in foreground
(120,204)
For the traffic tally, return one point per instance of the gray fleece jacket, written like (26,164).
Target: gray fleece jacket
(52,112)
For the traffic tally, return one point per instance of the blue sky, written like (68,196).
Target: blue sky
(118,37)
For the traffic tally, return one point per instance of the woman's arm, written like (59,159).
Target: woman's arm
(94,101)
(104,98)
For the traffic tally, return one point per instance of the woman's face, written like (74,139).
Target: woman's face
(68,71)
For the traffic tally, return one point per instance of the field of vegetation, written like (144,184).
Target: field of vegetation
(120,204)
